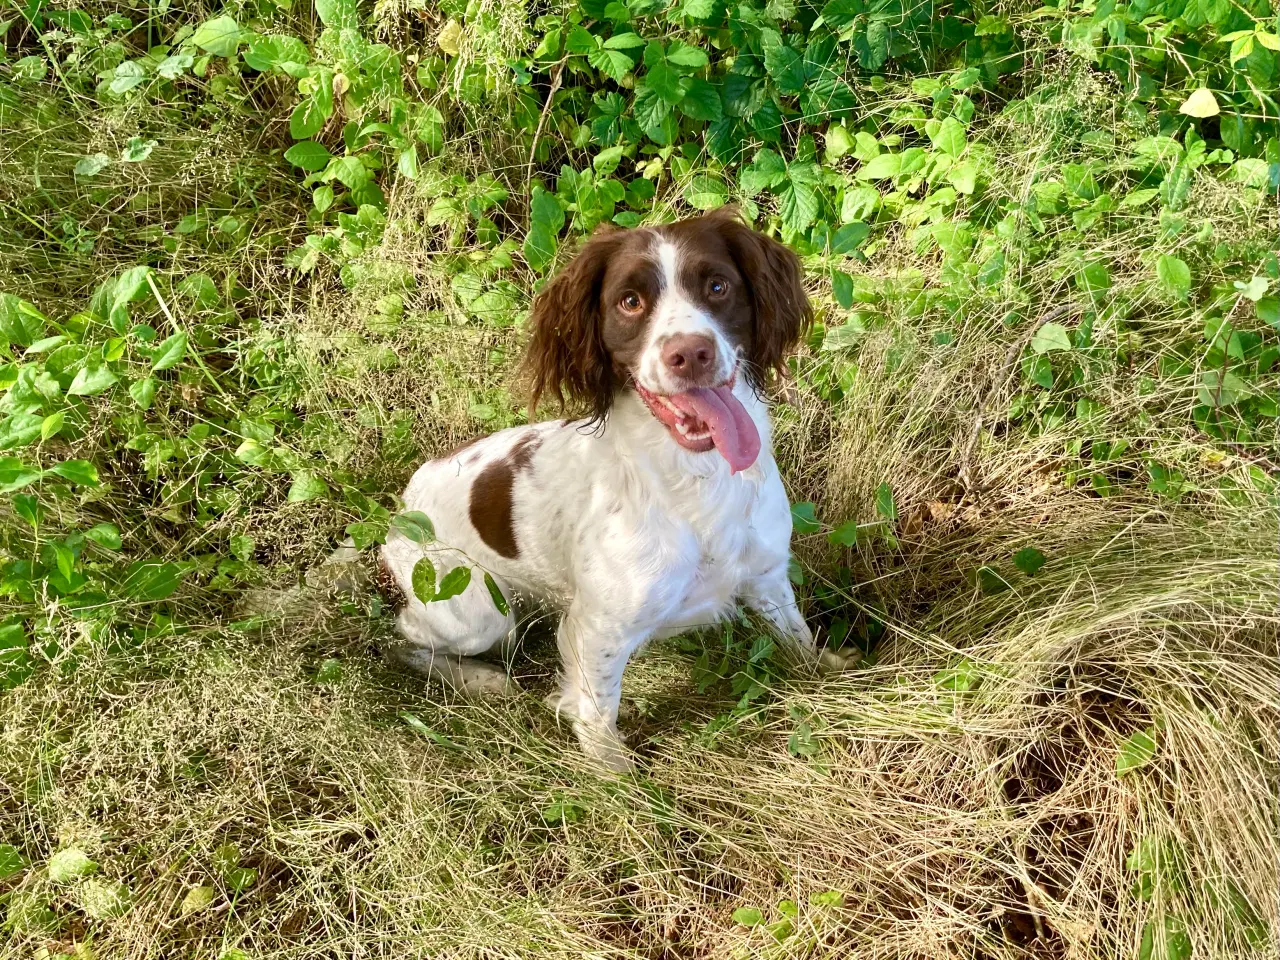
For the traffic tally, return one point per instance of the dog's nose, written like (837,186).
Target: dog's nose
(689,355)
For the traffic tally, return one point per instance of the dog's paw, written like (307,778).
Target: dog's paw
(485,680)
(835,661)
(604,747)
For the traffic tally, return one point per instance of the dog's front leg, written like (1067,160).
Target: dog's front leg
(771,595)
(594,651)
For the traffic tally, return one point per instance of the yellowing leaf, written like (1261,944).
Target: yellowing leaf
(449,37)
(1202,103)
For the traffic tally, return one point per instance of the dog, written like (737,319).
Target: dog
(651,516)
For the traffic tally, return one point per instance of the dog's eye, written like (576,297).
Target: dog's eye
(718,287)
(630,303)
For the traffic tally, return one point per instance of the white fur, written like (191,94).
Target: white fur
(630,535)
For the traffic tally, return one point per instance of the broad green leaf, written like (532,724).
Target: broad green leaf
(91,165)
(748,916)
(1136,752)
(91,381)
(126,76)
(842,288)
(415,525)
(52,424)
(849,237)
(495,594)
(612,63)
(1202,103)
(344,14)
(1254,290)
(306,486)
(11,861)
(886,506)
(1029,560)
(77,471)
(197,899)
(1050,337)
(423,580)
(949,137)
(453,583)
(105,535)
(150,580)
(701,101)
(14,474)
(307,118)
(845,535)
(1174,276)
(687,56)
(104,899)
(170,352)
(70,864)
(803,518)
(137,150)
(143,392)
(706,192)
(308,155)
(881,167)
(219,36)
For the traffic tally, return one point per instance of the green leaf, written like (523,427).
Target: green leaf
(423,580)
(845,535)
(341,14)
(840,14)
(11,861)
(308,155)
(52,424)
(701,101)
(687,56)
(1136,752)
(104,899)
(885,505)
(748,916)
(219,36)
(842,288)
(197,899)
(1174,276)
(1165,939)
(14,474)
(143,392)
(949,137)
(92,165)
(414,525)
(1029,560)
(149,580)
(881,167)
(1254,290)
(417,726)
(495,594)
(849,237)
(801,200)
(306,486)
(70,864)
(804,519)
(612,63)
(77,471)
(307,118)
(453,583)
(706,192)
(1050,337)
(170,352)
(1094,279)
(105,535)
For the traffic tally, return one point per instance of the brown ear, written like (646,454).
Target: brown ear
(566,356)
(782,310)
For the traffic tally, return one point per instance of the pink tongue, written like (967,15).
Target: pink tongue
(732,429)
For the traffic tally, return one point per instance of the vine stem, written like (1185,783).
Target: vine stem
(557,72)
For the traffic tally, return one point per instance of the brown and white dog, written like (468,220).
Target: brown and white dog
(652,516)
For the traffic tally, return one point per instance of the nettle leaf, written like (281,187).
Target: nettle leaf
(767,170)
(612,63)
(702,101)
(219,36)
(840,14)
(801,196)
(651,111)
(706,192)
(1050,337)
(308,155)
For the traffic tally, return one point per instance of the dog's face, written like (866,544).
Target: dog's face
(677,312)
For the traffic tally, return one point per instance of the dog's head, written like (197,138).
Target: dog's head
(677,312)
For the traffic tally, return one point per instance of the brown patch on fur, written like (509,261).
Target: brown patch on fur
(387,585)
(492,498)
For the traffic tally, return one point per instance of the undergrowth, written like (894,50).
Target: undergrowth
(258,262)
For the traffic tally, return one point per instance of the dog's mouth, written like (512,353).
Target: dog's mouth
(707,418)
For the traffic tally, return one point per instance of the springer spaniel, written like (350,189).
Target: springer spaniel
(653,515)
